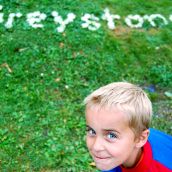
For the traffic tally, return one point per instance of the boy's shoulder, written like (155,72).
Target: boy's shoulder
(161,145)
(159,135)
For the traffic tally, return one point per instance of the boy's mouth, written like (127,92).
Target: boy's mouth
(100,158)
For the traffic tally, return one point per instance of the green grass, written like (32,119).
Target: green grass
(42,124)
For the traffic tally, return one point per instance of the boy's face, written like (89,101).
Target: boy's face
(109,139)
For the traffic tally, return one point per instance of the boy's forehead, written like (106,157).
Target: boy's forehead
(105,118)
(97,109)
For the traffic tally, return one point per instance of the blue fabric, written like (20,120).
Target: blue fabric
(117,169)
(161,144)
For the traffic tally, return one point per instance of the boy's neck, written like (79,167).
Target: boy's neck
(134,159)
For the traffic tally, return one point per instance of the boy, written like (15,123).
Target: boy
(118,137)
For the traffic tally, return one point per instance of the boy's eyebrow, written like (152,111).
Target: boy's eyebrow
(111,130)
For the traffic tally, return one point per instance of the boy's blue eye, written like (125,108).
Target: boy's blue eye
(111,136)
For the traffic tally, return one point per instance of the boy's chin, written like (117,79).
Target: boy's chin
(103,167)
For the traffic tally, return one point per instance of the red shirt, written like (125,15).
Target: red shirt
(147,163)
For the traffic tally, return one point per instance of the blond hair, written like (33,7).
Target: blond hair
(129,98)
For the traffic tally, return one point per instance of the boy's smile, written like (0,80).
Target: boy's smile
(109,139)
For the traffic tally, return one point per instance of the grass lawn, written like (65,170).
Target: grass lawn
(45,75)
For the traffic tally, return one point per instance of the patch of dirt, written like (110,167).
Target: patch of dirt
(121,30)
(163,109)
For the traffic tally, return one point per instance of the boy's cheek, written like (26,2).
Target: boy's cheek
(88,142)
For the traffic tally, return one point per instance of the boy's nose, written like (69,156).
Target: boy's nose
(98,144)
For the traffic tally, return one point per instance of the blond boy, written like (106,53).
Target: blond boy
(118,117)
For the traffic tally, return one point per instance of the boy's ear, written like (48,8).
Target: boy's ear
(142,139)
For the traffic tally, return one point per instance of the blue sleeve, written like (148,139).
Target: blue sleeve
(117,169)
(161,144)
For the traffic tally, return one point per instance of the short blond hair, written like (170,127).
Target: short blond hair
(129,98)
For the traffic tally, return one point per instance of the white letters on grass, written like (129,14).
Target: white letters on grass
(88,21)
(110,18)
(34,19)
(58,20)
